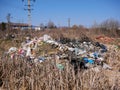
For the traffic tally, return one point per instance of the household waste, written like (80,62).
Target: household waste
(81,54)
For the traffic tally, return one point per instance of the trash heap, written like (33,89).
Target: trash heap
(80,53)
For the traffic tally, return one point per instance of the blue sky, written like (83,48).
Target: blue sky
(81,12)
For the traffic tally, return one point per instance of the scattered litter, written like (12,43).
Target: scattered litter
(28,39)
(12,49)
(60,66)
(41,59)
(46,37)
(81,54)
(28,53)
(90,61)
(105,66)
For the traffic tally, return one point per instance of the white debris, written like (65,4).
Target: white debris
(92,55)
(71,49)
(12,49)
(28,53)
(81,52)
(105,66)
(101,59)
(35,60)
(46,37)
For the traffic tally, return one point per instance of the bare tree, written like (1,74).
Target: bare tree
(110,24)
(50,24)
(3,26)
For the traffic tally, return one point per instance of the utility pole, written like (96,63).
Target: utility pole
(69,22)
(8,17)
(29,9)
(8,21)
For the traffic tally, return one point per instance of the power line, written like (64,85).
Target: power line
(29,9)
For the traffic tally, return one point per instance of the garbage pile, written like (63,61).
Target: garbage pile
(80,54)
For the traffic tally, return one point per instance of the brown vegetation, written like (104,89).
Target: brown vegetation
(18,74)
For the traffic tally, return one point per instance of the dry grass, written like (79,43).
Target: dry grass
(19,74)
